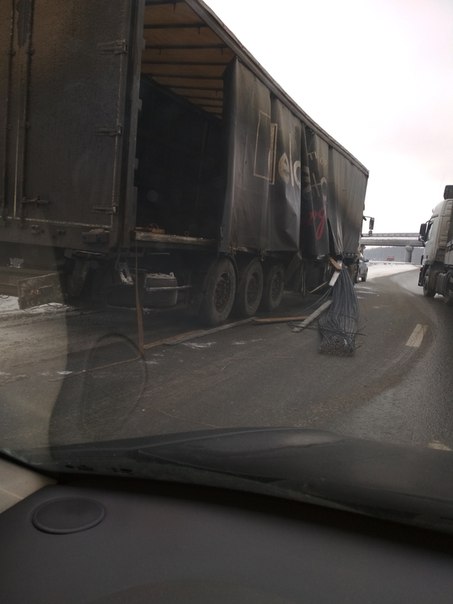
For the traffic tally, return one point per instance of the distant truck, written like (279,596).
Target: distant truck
(436,272)
(145,153)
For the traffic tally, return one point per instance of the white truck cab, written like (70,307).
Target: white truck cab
(436,273)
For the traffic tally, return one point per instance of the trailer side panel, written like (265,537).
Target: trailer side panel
(287,188)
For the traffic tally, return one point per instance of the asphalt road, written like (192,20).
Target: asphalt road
(414,402)
(83,371)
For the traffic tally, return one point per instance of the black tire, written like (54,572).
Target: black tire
(274,285)
(219,293)
(364,278)
(250,289)
(428,290)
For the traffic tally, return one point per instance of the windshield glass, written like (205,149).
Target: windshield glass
(210,222)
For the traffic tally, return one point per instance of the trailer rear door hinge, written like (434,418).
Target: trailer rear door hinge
(116,47)
(117,131)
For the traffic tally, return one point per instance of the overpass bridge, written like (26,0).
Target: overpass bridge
(406,240)
(391,239)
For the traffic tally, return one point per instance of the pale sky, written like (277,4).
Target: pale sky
(377,75)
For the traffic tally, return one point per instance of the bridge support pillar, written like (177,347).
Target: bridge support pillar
(409,250)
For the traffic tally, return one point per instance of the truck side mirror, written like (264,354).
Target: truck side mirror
(422,231)
(448,192)
(371,225)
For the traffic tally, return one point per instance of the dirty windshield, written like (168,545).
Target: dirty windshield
(210,220)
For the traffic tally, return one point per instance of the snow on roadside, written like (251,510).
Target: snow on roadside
(382,269)
(9,307)
(8,303)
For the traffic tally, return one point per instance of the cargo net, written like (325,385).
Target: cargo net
(339,325)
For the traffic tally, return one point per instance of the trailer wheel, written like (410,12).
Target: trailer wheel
(274,284)
(219,292)
(250,289)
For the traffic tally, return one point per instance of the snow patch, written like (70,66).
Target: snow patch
(383,269)
(199,346)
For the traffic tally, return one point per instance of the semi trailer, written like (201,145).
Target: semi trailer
(144,152)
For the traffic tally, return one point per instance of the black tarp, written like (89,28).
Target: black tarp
(314,233)
(287,188)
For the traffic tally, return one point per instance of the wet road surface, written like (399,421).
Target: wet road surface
(83,371)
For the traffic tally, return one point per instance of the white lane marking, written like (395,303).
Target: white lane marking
(436,444)
(416,337)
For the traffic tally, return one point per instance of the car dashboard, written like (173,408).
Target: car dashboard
(102,540)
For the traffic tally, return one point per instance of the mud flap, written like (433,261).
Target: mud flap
(38,290)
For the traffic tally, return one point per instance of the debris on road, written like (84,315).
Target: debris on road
(296,327)
(339,326)
(269,320)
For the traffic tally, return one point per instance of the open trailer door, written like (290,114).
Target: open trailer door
(65,79)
